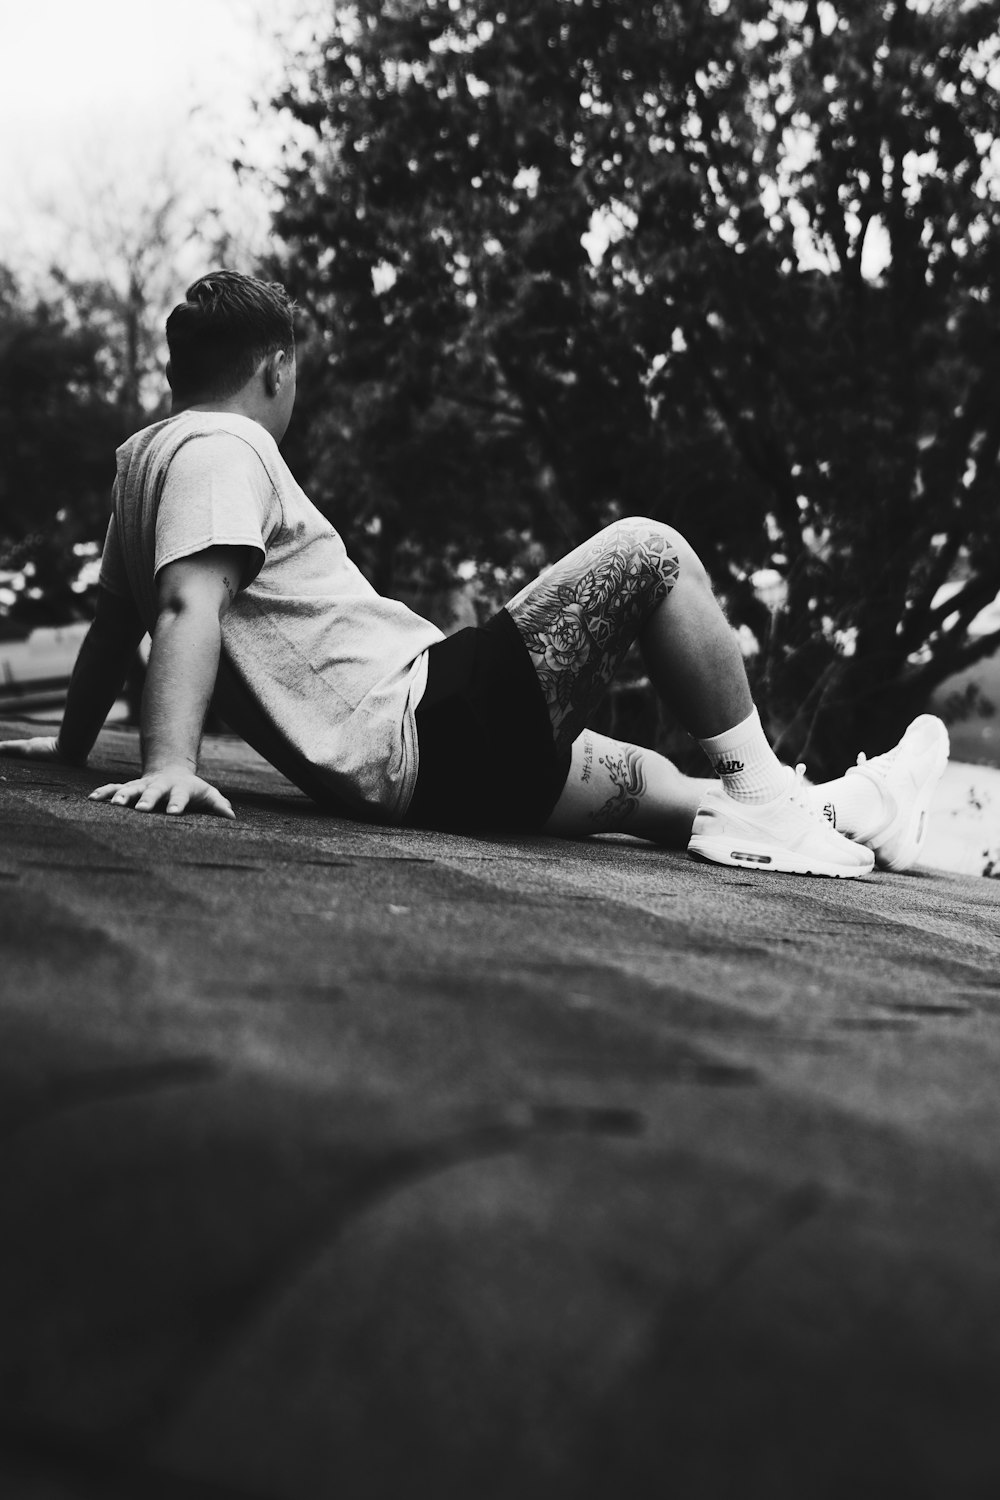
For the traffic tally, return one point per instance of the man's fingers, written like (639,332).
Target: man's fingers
(124,794)
(147,794)
(177,800)
(201,798)
(219,805)
(104,793)
(150,799)
(129,794)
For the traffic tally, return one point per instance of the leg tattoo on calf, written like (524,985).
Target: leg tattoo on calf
(629,779)
(580,618)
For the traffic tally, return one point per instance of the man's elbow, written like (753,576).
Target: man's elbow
(191,589)
(177,604)
(189,612)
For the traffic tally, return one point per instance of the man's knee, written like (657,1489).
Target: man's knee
(662,547)
(655,548)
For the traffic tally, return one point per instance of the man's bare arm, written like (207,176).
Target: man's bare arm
(193,596)
(97,679)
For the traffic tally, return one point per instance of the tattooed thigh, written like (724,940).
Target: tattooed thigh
(579,619)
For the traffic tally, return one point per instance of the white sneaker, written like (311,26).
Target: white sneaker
(907,778)
(788,835)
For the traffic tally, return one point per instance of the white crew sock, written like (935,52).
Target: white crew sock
(745,763)
(853,805)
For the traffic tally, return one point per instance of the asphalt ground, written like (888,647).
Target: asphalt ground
(375,1163)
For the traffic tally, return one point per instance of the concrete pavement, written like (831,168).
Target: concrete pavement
(360,1163)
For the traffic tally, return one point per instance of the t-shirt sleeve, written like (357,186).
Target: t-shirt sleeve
(112,575)
(217,493)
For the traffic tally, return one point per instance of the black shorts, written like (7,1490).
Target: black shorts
(488,759)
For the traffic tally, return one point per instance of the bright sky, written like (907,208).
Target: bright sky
(113,98)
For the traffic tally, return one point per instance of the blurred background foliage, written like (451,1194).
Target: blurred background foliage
(59,420)
(735,265)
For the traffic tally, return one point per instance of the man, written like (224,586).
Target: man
(248,593)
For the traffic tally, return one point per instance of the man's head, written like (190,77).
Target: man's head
(232,340)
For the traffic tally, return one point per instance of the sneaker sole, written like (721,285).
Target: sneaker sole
(719,851)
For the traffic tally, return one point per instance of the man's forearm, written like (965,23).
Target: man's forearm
(97,680)
(183,665)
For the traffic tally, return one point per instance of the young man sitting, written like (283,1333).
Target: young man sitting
(248,594)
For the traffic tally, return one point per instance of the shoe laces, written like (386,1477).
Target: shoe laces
(885,759)
(800,793)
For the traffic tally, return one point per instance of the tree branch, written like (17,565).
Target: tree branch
(967,603)
(945,665)
(917,618)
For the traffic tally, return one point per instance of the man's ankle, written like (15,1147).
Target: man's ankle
(745,763)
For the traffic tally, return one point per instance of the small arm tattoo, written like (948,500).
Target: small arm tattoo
(229,587)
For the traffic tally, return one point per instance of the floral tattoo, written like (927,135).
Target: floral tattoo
(580,618)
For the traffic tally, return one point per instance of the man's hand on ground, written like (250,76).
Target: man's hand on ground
(174,790)
(39,747)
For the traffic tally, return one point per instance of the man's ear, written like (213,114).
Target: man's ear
(169,380)
(275,371)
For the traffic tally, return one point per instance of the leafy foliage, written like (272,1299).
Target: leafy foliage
(58,433)
(81,366)
(736,265)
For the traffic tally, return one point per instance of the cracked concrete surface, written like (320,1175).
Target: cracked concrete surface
(351,1162)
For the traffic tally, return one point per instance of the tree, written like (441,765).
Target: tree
(81,363)
(124,248)
(736,265)
(58,433)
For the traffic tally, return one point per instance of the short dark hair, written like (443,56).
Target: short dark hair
(218,336)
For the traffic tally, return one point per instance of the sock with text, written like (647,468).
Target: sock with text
(851,804)
(745,763)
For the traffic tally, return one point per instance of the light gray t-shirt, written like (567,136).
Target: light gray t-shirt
(318,672)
